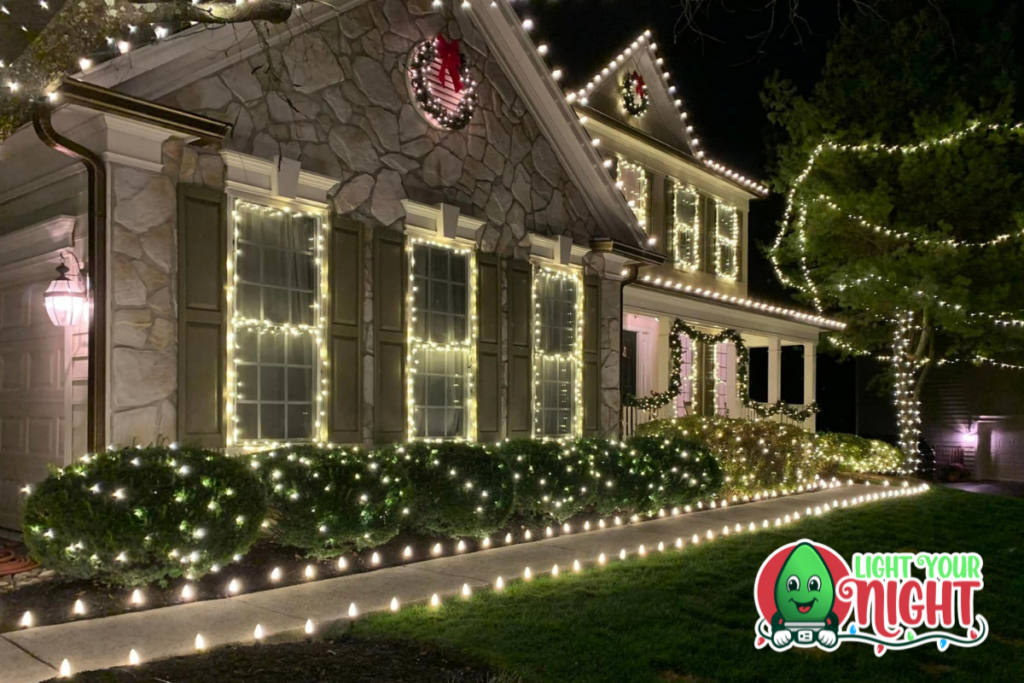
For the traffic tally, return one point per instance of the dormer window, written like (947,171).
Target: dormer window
(685,226)
(727,240)
(632,180)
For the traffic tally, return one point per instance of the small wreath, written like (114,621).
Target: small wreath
(423,57)
(634,94)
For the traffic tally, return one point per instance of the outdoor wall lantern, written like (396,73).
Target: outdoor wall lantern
(66,299)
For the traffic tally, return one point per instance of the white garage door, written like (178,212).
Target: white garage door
(1007,454)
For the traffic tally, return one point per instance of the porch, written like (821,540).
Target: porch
(715,342)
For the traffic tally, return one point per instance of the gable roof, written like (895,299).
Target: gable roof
(156,70)
(666,118)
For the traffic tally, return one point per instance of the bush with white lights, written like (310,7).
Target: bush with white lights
(139,515)
(862,456)
(330,501)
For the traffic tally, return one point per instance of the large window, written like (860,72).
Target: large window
(276,326)
(685,226)
(442,341)
(632,180)
(727,240)
(556,353)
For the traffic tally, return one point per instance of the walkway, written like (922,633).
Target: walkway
(36,654)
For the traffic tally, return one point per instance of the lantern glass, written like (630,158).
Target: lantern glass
(64,300)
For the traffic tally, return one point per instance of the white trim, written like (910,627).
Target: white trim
(548,251)
(247,174)
(436,223)
(23,246)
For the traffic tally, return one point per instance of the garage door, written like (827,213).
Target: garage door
(1007,454)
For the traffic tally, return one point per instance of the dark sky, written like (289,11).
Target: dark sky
(719,78)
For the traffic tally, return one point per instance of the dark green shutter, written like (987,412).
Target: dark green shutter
(520,378)
(591,355)
(389,341)
(345,270)
(488,348)
(202,315)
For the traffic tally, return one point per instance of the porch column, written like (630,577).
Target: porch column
(732,397)
(810,379)
(774,369)
(661,356)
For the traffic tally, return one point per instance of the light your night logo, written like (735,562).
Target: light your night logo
(808,596)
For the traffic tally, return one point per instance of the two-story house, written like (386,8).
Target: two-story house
(382,220)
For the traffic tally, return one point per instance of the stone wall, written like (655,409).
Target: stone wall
(336,98)
(143,292)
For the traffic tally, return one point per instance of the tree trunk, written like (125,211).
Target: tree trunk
(911,362)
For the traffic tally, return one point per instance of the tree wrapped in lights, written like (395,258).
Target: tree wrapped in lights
(139,515)
(905,201)
(330,501)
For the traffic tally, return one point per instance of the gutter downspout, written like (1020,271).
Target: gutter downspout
(96,387)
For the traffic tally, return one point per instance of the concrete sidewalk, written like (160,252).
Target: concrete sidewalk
(36,654)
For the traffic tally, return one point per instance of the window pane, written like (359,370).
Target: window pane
(271,383)
(439,391)
(632,179)
(272,421)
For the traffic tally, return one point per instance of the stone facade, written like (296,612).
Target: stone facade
(143,291)
(336,98)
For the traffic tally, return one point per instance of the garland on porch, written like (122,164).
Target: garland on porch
(662,398)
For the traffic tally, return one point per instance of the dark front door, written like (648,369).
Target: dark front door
(627,367)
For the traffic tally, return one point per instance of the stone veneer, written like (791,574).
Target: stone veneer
(336,98)
(143,291)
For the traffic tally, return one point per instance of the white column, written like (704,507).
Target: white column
(661,362)
(774,369)
(810,379)
(732,398)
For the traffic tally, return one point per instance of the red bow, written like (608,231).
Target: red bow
(639,84)
(451,61)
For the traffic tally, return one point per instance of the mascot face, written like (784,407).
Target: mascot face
(804,590)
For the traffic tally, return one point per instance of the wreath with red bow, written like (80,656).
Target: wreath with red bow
(453,69)
(634,94)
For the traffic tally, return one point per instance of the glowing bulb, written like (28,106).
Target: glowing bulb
(554,571)
(27,620)
(527,574)
(258,632)
(394,604)
(275,575)
(200,643)
(133,658)
(375,559)
(601,559)
(435,601)
(352,612)
(65,669)
(461,546)
(622,554)
(508,538)
(679,544)
(137,598)
(576,567)
(466,592)
(499,584)
(642,551)
(407,553)
(310,627)
(186,592)
(85,63)
(310,572)
(342,564)
(486,543)
(234,586)
(437,549)
(79,607)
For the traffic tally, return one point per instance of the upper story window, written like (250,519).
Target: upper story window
(441,340)
(726,240)
(276,326)
(632,180)
(685,226)
(557,368)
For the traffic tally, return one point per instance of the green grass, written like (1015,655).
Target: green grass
(689,616)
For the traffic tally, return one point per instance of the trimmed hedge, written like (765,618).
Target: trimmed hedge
(859,455)
(140,515)
(328,502)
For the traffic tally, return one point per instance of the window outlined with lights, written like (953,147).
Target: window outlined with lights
(631,178)
(276,325)
(686,218)
(557,352)
(726,239)
(441,334)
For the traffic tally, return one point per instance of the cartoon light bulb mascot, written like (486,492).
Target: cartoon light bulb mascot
(804,596)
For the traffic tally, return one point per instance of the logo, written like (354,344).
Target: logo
(808,596)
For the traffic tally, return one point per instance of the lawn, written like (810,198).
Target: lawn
(690,616)
(681,616)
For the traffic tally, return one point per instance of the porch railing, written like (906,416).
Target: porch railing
(633,417)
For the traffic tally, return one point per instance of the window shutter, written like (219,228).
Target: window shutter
(488,348)
(520,378)
(202,315)
(591,355)
(389,350)
(345,270)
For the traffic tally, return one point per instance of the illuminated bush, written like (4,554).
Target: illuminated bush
(754,456)
(856,454)
(139,515)
(329,501)
(553,480)
(455,489)
(674,471)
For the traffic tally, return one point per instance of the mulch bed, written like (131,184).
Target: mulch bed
(342,660)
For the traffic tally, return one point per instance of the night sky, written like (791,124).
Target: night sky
(720,78)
